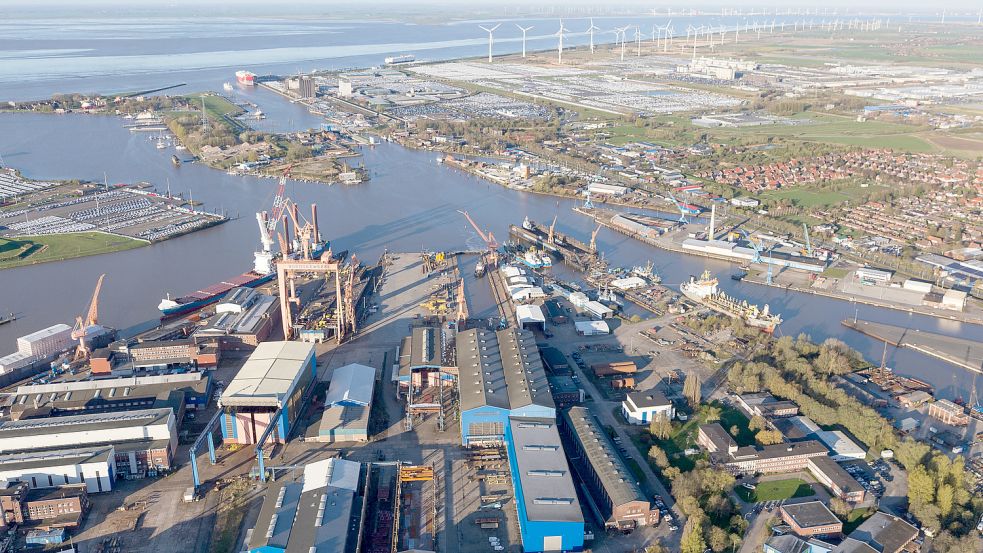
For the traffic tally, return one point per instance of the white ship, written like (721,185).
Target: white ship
(705,291)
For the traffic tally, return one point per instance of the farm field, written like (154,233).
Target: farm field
(29,250)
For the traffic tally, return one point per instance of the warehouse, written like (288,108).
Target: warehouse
(422,355)
(550,517)
(268,390)
(90,429)
(500,375)
(592,328)
(948,412)
(841,447)
(92,466)
(177,391)
(616,368)
(616,495)
(606,189)
(314,510)
(554,360)
(347,405)
(871,275)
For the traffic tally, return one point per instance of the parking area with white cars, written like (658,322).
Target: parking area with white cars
(122,211)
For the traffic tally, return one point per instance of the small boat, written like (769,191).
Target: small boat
(8,319)
(175,160)
(479,269)
(180,148)
(161,144)
(227,87)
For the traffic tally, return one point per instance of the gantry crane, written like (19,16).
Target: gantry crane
(279,201)
(82,324)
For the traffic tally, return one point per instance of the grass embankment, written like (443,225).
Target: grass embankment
(220,110)
(30,250)
(775,490)
(228,519)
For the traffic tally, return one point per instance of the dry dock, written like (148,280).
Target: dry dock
(967,354)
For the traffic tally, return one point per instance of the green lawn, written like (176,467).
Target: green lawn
(218,109)
(854,519)
(775,490)
(833,272)
(29,250)
(729,417)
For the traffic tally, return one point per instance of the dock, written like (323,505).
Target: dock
(961,352)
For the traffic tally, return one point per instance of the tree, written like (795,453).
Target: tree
(658,456)
(712,413)
(718,539)
(657,548)
(691,389)
(735,541)
(692,540)
(944,499)
(757,423)
(671,473)
(734,430)
(921,486)
(769,437)
(660,427)
(839,507)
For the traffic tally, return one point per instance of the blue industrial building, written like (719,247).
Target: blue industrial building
(267,391)
(505,400)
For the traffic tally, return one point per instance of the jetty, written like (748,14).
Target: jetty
(961,352)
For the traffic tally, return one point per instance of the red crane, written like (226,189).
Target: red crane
(279,201)
(488,237)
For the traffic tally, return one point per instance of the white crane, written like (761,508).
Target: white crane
(523,29)
(559,46)
(491,38)
(590,32)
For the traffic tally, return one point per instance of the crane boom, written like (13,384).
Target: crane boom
(552,225)
(593,239)
(92,317)
(279,202)
(488,237)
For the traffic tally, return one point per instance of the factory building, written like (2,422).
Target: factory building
(267,391)
(177,391)
(615,494)
(243,318)
(317,510)
(500,375)
(152,428)
(422,355)
(841,447)
(92,466)
(550,516)
(47,342)
(731,251)
(347,406)
(948,412)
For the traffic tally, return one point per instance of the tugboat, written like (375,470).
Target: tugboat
(479,268)
(705,291)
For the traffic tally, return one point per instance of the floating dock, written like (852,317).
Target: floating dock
(961,352)
(572,251)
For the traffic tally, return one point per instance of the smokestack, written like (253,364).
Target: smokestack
(316,237)
(713,221)
(286,230)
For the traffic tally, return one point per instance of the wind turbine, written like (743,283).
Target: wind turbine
(590,31)
(491,38)
(665,41)
(623,31)
(559,47)
(523,29)
(638,42)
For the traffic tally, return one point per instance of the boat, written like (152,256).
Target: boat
(396,60)
(8,319)
(180,148)
(246,78)
(705,291)
(647,272)
(227,87)
(535,259)
(479,268)
(175,160)
(571,251)
(161,144)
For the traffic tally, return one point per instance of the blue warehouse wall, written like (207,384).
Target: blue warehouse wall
(484,414)
(534,533)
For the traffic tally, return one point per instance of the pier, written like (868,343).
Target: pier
(967,354)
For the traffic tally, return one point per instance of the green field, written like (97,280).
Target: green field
(775,490)
(30,250)
(804,197)
(217,108)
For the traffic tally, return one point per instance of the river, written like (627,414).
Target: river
(410,203)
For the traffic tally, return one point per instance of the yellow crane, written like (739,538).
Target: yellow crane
(550,238)
(82,323)
(593,239)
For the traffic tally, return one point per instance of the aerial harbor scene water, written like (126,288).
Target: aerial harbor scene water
(500,277)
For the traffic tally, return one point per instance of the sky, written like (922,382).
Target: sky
(641,5)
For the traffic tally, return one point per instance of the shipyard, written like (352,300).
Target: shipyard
(659,280)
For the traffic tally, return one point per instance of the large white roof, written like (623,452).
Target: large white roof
(334,472)
(351,385)
(529,314)
(269,375)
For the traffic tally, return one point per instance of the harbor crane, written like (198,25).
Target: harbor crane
(754,245)
(279,201)
(593,239)
(805,231)
(83,324)
(550,238)
(488,238)
(679,206)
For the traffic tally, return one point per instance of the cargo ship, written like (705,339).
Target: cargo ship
(246,78)
(396,60)
(705,291)
(571,251)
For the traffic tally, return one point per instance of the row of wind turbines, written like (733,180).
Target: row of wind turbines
(663,36)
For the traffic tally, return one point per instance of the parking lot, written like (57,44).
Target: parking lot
(123,211)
